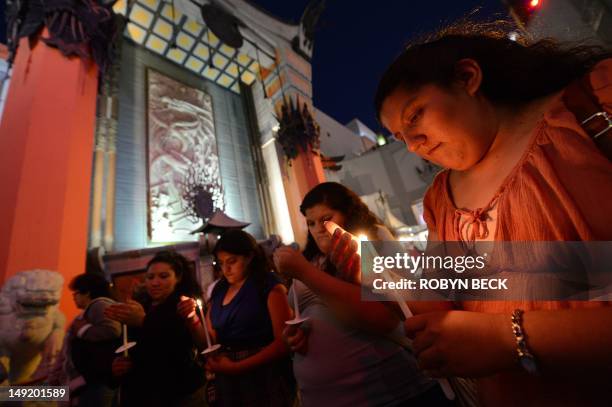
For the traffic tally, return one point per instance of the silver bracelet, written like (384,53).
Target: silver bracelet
(525,356)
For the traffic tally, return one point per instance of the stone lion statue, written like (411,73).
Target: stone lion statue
(31,325)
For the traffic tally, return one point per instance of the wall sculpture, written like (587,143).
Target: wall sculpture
(181,148)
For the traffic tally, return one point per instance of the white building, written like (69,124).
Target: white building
(389,169)
(350,141)
(369,169)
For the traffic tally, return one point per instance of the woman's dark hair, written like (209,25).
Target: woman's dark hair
(241,243)
(513,71)
(358,217)
(183,269)
(90,283)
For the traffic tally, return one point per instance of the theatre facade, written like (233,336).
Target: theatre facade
(118,140)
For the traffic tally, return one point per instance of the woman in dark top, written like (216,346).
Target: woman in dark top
(247,315)
(162,369)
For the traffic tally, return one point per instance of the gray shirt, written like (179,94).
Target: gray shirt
(345,366)
(98,327)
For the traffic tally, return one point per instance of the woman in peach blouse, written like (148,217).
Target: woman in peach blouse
(518,167)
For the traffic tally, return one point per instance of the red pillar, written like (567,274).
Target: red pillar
(305,173)
(46,150)
(312,169)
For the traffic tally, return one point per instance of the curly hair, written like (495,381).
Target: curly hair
(183,269)
(513,71)
(339,198)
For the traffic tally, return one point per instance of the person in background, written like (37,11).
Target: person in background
(88,350)
(247,314)
(349,352)
(162,369)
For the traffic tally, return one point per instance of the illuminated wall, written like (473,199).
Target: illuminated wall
(182,154)
(236,165)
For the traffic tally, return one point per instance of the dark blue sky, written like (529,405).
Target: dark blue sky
(358,39)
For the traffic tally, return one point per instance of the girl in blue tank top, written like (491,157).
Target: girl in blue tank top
(248,310)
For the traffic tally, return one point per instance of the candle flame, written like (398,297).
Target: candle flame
(199,303)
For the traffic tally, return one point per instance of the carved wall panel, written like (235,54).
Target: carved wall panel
(181,146)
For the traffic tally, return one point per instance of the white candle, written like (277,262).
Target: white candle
(362,238)
(296,306)
(444,384)
(331,228)
(297,319)
(125,339)
(203,322)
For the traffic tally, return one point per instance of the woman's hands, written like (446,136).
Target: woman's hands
(344,253)
(222,364)
(290,262)
(121,366)
(296,339)
(130,313)
(186,309)
(462,343)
